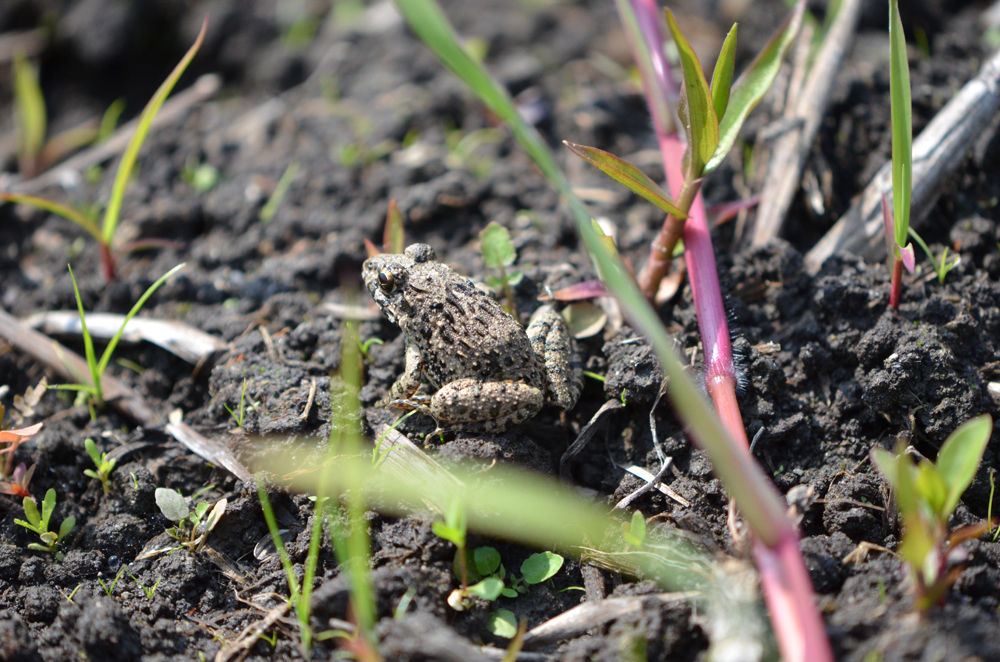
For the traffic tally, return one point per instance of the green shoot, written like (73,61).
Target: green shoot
(191,527)
(109,122)
(109,588)
(39,523)
(239,419)
(502,623)
(453,530)
(102,463)
(150,591)
(106,233)
(897,222)
(541,567)
(498,253)
(31,116)
(942,266)
(269,209)
(927,494)
(393,237)
(634,533)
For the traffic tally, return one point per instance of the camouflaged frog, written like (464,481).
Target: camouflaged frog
(490,373)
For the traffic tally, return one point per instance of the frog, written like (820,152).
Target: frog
(490,372)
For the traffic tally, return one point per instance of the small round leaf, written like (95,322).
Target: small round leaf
(539,567)
(487,560)
(502,623)
(173,506)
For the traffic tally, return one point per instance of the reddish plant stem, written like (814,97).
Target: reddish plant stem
(661,251)
(107,263)
(897,282)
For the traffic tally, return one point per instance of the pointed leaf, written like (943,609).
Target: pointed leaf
(92,451)
(638,526)
(627,174)
(30,109)
(722,77)
(932,488)
(902,123)
(67,212)
(749,89)
(960,456)
(698,114)
(889,230)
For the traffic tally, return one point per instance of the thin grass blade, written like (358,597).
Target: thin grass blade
(751,86)
(698,114)
(67,212)
(141,131)
(628,175)
(641,20)
(31,119)
(902,124)
(88,342)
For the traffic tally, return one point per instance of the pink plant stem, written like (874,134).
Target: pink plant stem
(107,263)
(897,282)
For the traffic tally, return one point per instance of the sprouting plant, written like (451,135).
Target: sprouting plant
(105,233)
(103,465)
(239,418)
(927,494)
(634,532)
(150,591)
(19,481)
(109,588)
(39,523)
(897,218)
(269,209)
(498,253)
(14,438)
(191,527)
(942,266)
(94,390)
(202,177)
(453,530)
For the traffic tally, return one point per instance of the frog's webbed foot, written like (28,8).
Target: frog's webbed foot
(419,402)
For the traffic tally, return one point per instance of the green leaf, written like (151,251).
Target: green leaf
(697,108)
(31,512)
(30,109)
(495,244)
(66,526)
(722,77)
(452,535)
(487,560)
(49,538)
(67,212)
(932,488)
(502,623)
(888,466)
(48,505)
(173,506)
(539,567)
(638,526)
(88,344)
(960,456)
(751,86)
(902,124)
(393,236)
(127,163)
(509,593)
(92,451)
(487,589)
(628,175)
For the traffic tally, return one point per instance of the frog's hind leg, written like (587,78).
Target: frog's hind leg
(552,342)
(488,406)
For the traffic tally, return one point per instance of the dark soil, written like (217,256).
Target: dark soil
(368,115)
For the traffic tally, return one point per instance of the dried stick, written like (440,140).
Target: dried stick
(937,151)
(790,151)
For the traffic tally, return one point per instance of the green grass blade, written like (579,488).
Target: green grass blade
(902,124)
(697,109)
(135,144)
(641,32)
(67,212)
(960,456)
(109,350)
(750,87)
(88,343)
(722,77)
(628,175)
(31,118)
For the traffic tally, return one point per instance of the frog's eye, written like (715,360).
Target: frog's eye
(386,281)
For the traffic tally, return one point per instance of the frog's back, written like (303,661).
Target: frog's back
(463,333)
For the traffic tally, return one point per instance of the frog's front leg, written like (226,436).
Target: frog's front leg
(409,381)
(489,406)
(554,345)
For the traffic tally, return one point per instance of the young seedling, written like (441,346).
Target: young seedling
(634,532)
(105,234)
(453,529)
(19,481)
(897,218)
(498,253)
(94,390)
(191,527)
(39,523)
(109,588)
(270,208)
(102,463)
(926,495)
(239,418)
(942,266)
